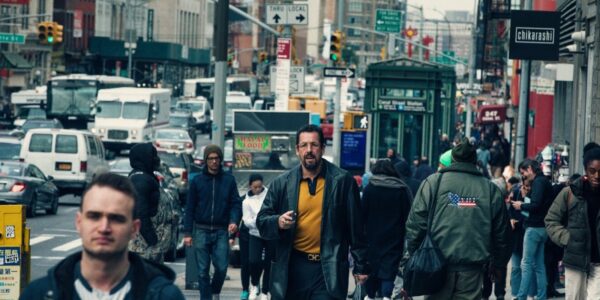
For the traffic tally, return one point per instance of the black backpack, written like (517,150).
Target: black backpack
(426,269)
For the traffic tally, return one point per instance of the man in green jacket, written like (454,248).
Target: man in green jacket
(572,222)
(470,223)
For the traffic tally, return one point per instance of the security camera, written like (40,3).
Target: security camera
(578,36)
(572,48)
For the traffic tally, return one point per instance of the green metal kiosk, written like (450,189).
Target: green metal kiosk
(412,105)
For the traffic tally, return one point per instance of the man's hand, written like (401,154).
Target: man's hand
(231,242)
(360,278)
(517,204)
(525,190)
(513,222)
(286,220)
(187,241)
(232,228)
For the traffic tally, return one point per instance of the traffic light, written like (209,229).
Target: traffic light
(57,32)
(43,32)
(337,41)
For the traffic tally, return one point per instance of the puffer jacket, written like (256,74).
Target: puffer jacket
(567,225)
(470,224)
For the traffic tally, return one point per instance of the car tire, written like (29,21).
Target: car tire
(31,211)
(53,210)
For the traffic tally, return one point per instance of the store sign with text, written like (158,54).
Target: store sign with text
(401,105)
(534,35)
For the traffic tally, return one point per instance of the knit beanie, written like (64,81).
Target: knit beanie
(464,152)
(446,158)
(213,149)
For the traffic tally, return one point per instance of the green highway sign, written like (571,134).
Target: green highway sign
(10,38)
(388,20)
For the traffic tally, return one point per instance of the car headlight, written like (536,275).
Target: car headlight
(134,132)
(101,130)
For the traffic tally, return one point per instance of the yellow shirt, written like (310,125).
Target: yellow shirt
(308,219)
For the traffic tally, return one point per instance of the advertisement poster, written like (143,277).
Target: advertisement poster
(10,272)
(354,147)
(253,143)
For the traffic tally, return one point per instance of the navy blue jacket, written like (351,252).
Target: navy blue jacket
(213,202)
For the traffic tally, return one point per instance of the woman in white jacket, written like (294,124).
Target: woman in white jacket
(257,246)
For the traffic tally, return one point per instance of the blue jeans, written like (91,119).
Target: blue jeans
(533,262)
(515,276)
(211,245)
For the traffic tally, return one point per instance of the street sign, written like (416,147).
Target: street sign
(10,38)
(471,92)
(339,72)
(296,79)
(282,86)
(534,35)
(388,20)
(287,14)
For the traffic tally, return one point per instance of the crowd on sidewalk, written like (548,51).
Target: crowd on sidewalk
(460,222)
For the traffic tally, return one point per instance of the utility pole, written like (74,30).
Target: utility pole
(129,40)
(337,140)
(472,70)
(523,103)
(220,37)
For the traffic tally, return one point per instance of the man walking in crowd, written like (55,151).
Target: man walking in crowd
(403,170)
(534,207)
(313,214)
(391,155)
(105,269)
(578,206)
(423,169)
(385,202)
(144,160)
(213,210)
(470,224)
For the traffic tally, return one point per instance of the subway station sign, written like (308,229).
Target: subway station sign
(534,35)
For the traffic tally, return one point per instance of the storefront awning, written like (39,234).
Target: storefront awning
(11,60)
(491,114)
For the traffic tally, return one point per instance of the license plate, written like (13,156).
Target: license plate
(63,166)
(174,147)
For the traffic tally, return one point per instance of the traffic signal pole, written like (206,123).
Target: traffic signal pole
(338,94)
(220,52)
(520,148)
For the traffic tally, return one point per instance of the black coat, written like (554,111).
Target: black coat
(342,227)
(386,203)
(143,158)
(149,280)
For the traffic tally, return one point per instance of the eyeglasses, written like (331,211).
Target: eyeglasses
(213,159)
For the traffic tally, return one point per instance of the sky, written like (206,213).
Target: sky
(429,5)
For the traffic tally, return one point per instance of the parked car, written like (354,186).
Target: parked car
(72,157)
(10,148)
(180,164)
(173,140)
(40,123)
(23,183)
(183,120)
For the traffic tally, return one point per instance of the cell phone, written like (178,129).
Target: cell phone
(294,216)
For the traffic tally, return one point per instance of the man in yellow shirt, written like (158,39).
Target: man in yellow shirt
(313,213)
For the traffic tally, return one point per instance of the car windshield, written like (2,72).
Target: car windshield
(9,151)
(108,109)
(172,135)
(193,106)
(178,121)
(11,170)
(135,110)
(72,100)
(31,113)
(40,124)
(172,160)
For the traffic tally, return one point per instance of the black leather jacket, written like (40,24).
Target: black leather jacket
(342,226)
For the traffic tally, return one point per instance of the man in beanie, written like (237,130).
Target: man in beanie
(213,209)
(469,224)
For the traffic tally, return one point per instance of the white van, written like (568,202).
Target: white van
(128,116)
(72,157)
(28,105)
(200,109)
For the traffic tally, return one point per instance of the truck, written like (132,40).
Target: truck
(28,105)
(128,116)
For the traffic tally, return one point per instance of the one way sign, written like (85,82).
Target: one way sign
(339,72)
(287,14)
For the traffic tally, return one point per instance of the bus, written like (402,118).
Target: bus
(70,98)
(205,87)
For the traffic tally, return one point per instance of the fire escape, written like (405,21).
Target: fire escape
(492,42)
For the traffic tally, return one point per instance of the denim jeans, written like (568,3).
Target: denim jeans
(211,245)
(533,262)
(515,277)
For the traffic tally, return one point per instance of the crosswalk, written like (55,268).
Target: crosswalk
(54,245)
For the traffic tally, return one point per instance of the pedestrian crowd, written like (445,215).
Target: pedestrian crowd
(407,230)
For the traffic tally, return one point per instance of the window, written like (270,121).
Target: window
(41,143)
(66,143)
(35,172)
(93,150)
(355,7)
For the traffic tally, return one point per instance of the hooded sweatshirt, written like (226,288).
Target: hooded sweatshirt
(148,281)
(143,159)
(250,208)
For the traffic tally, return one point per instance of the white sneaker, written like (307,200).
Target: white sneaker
(386,298)
(367,298)
(264,297)
(254,291)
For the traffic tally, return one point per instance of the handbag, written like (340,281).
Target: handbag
(425,271)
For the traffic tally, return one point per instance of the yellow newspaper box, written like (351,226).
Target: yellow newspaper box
(14,251)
